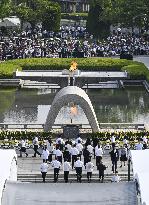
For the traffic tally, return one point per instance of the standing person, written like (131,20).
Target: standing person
(58,154)
(113,141)
(50,149)
(89,169)
(139,146)
(98,153)
(74,153)
(115,177)
(79,146)
(56,165)
(90,149)
(66,155)
(78,139)
(66,170)
(23,148)
(36,146)
(78,166)
(45,154)
(114,158)
(101,168)
(95,143)
(145,142)
(44,169)
(86,155)
(123,155)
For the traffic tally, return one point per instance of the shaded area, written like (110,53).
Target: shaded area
(45,194)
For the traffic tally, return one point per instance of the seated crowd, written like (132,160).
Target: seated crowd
(70,41)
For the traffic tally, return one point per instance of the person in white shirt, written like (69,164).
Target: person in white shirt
(58,154)
(50,149)
(23,148)
(36,146)
(56,165)
(139,146)
(79,146)
(113,141)
(78,166)
(78,138)
(66,169)
(98,153)
(74,152)
(59,140)
(44,169)
(115,178)
(90,149)
(45,154)
(145,142)
(89,169)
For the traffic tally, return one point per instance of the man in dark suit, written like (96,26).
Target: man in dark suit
(114,158)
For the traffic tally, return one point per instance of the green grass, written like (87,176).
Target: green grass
(136,70)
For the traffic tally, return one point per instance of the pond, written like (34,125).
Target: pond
(129,105)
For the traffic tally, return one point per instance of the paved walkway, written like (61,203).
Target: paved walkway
(70,194)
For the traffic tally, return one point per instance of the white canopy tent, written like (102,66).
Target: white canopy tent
(140,160)
(10,22)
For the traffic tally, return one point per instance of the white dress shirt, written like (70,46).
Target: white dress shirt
(99,152)
(58,153)
(44,167)
(67,166)
(89,167)
(139,146)
(113,139)
(79,146)
(78,163)
(90,148)
(74,151)
(56,164)
(45,154)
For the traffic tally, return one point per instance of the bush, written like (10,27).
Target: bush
(136,70)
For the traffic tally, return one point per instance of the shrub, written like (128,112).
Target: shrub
(136,70)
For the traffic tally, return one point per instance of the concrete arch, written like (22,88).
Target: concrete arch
(77,96)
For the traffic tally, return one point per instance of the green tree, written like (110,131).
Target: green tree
(37,11)
(5,8)
(98,22)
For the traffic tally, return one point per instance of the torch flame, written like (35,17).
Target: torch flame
(73,66)
(73,110)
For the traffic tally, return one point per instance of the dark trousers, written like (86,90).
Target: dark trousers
(89,176)
(50,157)
(43,175)
(56,172)
(66,174)
(101,175)
(114,165)
(74,159)
(98,160)
(79,173)
(36,150)
(23,149)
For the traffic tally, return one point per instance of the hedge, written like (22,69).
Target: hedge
(136,70)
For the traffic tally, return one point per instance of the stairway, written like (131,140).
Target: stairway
(122,193)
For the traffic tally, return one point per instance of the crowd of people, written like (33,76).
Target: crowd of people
(70,41)
(68,154)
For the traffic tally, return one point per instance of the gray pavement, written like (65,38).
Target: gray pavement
(58,194)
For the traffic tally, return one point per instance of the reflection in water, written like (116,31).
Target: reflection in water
(111,105)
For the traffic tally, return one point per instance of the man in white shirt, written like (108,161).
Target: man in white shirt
(78,138)
(58,154)
(23,148)
(98,153)
(56,165)
(79,146)
(66,170)
(36,146)
(89,169)
(78,166)
(44,169)
(74,152)
(45,154)
(113,141)
(145,142)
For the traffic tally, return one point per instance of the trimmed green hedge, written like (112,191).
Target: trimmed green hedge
(136,70)
(74,16)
